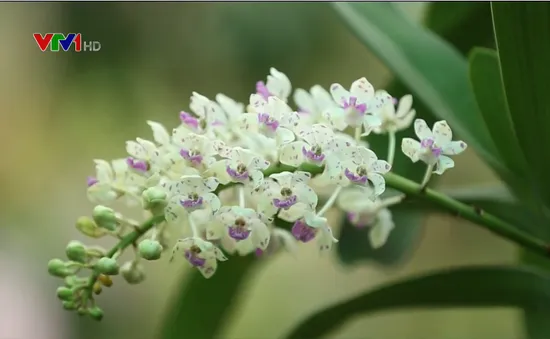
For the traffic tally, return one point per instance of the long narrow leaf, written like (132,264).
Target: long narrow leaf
(458,287)
(522,31)
(434,70)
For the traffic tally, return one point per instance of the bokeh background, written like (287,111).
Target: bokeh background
(58,111)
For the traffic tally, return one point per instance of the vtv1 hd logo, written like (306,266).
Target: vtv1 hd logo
(60,41)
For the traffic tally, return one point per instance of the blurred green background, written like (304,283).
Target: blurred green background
(58,111)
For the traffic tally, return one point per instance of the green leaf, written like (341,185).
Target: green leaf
(417,57)
(451,20)
(491,99)
(463,24)
(203,305)
(522,31)
(535,321)
(458,287)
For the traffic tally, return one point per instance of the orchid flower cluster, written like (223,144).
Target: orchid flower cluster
(230,177)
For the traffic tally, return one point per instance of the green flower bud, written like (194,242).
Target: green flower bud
(58,268)
(82,311)
(69,305)
(96,313)
(153,198)
(89,228)
(105,217)
(107,266)
(132,273)
(76,251)
(150,249)
(65,294)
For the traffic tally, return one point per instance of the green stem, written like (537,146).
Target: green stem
(406,186)
(126,241)
(468,212)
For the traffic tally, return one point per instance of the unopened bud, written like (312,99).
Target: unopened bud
(69,305)
(82,311)
(65,294)
(58,268)
(76,251)
(96,313)
(133,273)
(105,280)
(89,228)
(153,198)
(150,249)
(105,217)
(97,288)
(107,266)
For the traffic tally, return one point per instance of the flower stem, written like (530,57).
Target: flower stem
(358,133)
(194,230)
(470,213)
(427,176)
(331,200)
(126,241)
(391,147)
(242,200)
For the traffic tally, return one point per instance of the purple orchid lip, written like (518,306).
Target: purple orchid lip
(312,156)
(90,181)
(189,120)
(430,143)
(265,119)
(137,164)
(302,232)
(236,175)
(352,103)
(262,90)
(195,159)
(194,260)
(238,233)
(192,203)
(285,203)
(259,252)
(358,179)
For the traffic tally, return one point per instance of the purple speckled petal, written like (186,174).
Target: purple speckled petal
(236,175)
(191,203)
(285,203)
(302,232)
(189,120)
(195,159)
(194,260)
(90,181)
(238,233)
(262,90)
(138,165)
(354,177)
(312,156)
